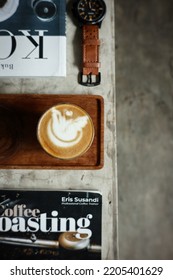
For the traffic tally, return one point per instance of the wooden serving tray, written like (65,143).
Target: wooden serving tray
(26,110)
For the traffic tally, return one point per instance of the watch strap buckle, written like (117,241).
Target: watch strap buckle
(90,79)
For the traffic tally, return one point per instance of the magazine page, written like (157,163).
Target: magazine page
(50,225)
(32,38)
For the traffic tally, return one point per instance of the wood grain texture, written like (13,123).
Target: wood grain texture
(28,108)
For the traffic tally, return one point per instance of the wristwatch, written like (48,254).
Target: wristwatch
(90,14)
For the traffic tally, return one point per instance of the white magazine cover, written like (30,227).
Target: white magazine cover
(32,38)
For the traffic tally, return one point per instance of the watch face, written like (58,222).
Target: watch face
(91,11)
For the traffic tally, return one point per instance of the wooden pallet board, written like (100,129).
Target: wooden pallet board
(22,112)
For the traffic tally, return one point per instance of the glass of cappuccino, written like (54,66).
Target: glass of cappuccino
(65,131)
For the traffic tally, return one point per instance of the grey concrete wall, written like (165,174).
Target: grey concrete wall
(144,79)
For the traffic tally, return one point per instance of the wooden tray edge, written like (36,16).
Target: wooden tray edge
(67,167)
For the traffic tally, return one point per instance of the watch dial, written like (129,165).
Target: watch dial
(91,11)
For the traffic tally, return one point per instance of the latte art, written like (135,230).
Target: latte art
(65,131)
(69,241)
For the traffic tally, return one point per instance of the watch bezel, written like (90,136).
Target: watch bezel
(83,21)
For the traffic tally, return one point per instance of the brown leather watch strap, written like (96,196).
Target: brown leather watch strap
(91,45)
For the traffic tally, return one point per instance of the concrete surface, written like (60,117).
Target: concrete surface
(144,80)
(103,180)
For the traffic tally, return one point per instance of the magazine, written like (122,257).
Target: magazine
(50,225)
(32,38)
